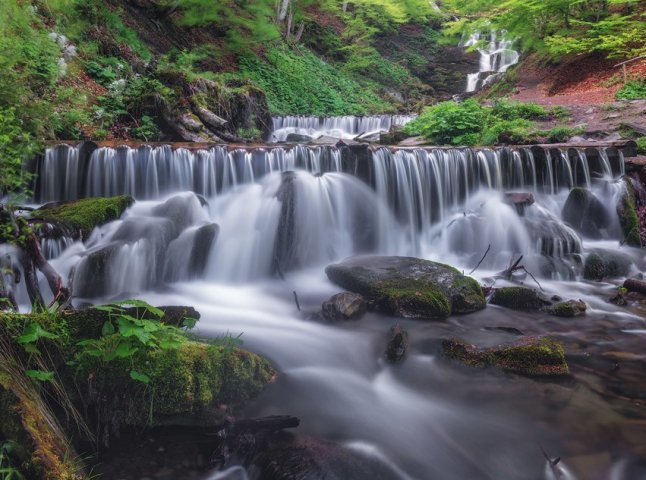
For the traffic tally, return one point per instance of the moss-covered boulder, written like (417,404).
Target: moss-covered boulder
(532,357)
(189,386)
(628,217)
(585,212)
(83,216)
(601,263)
(569,308)
(519,298)
(409,287)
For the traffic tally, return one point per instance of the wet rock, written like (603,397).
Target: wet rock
(204,239)
(531,357)
(92,277)
(409,287)
(520,201)
(635,285)
(298,138)
(393,136)
(628,217)
(601,263)
(344,306)
(397,344)
(570,308)
(519,298)
(585,212)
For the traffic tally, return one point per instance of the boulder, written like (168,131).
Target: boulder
(397,344)
(83,216)
(298,138)
(519,298)
(531,357)
(585,212)
(601,263)
(570,308)
(204,240)
(409,287)
(344,306)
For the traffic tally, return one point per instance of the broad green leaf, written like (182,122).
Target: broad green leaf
(40,375)
(140,377)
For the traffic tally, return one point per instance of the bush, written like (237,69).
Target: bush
(633,90)
(450,123)
(641,145)
(508,109)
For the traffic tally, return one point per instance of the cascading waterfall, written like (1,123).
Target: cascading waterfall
(340,201)
(496,57)
(344,127)
(234,232)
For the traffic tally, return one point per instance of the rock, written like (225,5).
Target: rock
(576,139)
(613,137)
(413,142)
(394,136)
(531,357)
(601,263)
(204,239)
(585,212)
(368,137)
(298,138)
(628,217)
(397,344)
(635,285)
(344,306)
(570,308)
(518,298)
(84,215)
(409,287)
(520,201)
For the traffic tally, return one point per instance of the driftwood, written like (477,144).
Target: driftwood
(515,267)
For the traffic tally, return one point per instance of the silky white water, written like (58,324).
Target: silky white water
(277,230)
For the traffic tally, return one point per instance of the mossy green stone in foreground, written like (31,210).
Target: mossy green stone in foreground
(518,298)
(87,214)
(409,287)
(531,357)
(570,308)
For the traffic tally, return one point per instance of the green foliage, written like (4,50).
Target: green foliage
(15,148)
(633,90)
(147,130)
(8,470)
(301,83)
(505,121)
(641,145)
(559,28)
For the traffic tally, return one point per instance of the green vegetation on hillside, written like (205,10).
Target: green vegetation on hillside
(559,28)
(470,123)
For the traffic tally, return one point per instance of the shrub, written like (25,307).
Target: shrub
(450,122)
(633,90)
(508,109)
(641,145)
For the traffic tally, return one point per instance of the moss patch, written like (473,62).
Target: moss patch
(87,214)
(628,217)
(570,308)
(532,357)
(518,298)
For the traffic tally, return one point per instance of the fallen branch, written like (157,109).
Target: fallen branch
(298,305)
(481,260)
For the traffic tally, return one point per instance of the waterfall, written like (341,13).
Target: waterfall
(345,127)
(234,215)
(496,57)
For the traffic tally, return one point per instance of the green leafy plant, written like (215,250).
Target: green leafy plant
(8,471)
(633,90)
(641,145)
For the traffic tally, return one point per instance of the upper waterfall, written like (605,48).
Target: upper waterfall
(496,57)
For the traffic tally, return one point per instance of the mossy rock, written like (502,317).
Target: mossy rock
(519,298)
(585,212)
(628,217)
(189,385)
(600,264)
(85,215)
(409,287)
(531,357)
(570,308)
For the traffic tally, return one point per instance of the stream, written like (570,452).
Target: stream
(427,417)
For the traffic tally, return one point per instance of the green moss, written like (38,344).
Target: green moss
(187,385)
(517,298)
(85,215)
(415,299)
(594,268)
(628,217)
(571,308)
(641,145)
(532,357)
(466,295)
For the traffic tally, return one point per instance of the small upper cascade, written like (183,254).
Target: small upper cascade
(496,56)
(345,127)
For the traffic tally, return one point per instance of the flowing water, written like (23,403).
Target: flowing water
(496,56)
(283,214)
(345,127)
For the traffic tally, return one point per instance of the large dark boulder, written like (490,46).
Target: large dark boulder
(628,216)
(585,212)
(409,287)
(601,263)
